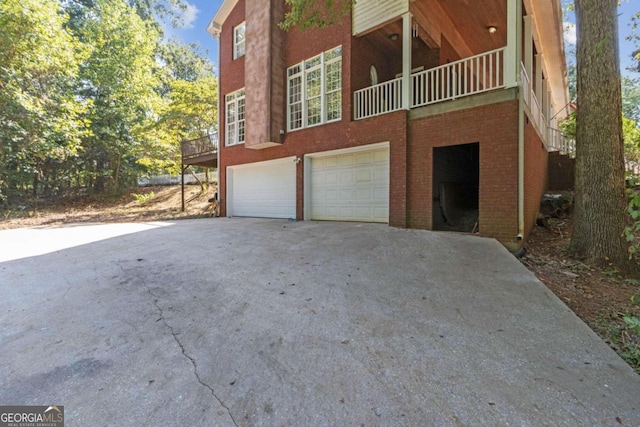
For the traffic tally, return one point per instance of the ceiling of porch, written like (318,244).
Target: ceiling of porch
(464,23)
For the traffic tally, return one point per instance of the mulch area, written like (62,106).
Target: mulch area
(600,298)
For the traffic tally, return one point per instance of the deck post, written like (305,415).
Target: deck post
(182,184)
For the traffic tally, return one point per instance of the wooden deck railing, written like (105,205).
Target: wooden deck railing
(204,145)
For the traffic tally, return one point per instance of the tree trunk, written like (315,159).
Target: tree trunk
(600,202)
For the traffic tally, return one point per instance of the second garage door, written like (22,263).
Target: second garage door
(351,186)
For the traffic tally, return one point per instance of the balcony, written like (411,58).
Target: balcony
(201,151)
(466,77)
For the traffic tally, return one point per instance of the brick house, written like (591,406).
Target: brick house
(426,114)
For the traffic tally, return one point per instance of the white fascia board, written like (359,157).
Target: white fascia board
(215,26)
(549,29)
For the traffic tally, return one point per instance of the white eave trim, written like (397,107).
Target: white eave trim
(548,21)
(215,26)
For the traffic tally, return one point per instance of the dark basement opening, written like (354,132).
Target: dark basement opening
(456,184)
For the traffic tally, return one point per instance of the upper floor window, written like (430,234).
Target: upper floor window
(314,90)
(238,41)
(234,118)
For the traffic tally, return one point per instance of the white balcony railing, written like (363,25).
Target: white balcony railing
(469,76)
(465,77)
(558,141)
(531,101)
(378,99)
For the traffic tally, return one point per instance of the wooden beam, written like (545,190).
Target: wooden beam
(435,21)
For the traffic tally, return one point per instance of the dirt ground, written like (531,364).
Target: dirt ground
(164,204)
(600,298)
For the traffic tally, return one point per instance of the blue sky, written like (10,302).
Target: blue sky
(200,12)
(196,18)
(626,10)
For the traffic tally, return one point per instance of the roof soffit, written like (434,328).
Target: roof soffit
(215,26)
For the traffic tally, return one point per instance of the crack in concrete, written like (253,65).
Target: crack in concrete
(184,352)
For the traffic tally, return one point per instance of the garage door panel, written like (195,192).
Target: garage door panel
(364,176)
(381,194)
(347,195)
(364,194)
(347,178)
(346,161)
(364,158)
(360,192)
(264,190)
(381,156)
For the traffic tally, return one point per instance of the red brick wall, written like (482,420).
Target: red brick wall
(365,54)
(535,175)
(495,128)
(231,71)
(561,173)
(332,136)
(305,44)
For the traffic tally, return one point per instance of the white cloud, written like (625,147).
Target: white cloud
(570,36)
(188,16)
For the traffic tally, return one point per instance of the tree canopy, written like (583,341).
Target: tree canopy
(92,95)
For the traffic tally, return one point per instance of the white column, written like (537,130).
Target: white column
(406,61)
(513,51)
(539,67)
(527,55)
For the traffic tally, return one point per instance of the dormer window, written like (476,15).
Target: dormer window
(238,41)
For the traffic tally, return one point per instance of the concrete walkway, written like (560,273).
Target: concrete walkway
(247,322)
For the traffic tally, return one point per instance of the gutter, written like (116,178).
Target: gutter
(521,124)
(521,117)
(220,141)
(215,34)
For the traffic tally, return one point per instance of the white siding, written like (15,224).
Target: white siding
(368,14)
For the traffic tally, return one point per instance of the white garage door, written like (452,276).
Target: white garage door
(351,186)
(265,189)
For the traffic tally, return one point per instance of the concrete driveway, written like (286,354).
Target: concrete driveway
(247,322)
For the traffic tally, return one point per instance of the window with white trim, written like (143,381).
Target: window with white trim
(234,118)
(238,40)
(314,90)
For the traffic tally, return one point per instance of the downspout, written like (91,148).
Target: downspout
(219,190)
(513,58)
(521,124)
(215,30)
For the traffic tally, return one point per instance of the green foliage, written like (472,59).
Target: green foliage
(635,36)
(306,14)
(628,340)
(631,98)
(143,198)
(40,118)
(632,232)
(91,97)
